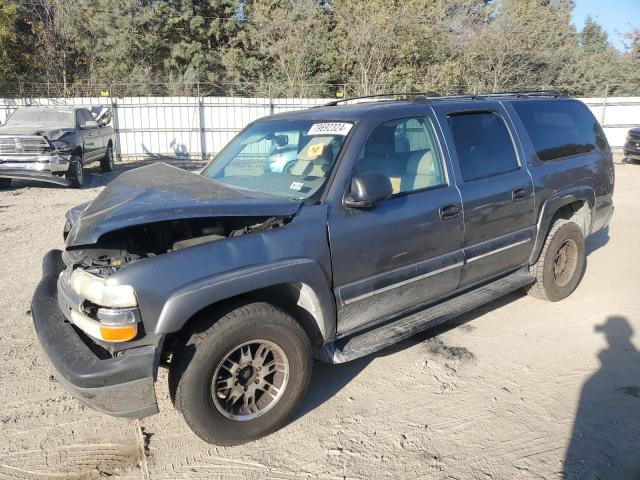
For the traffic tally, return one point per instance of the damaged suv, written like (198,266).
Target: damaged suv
(395,215)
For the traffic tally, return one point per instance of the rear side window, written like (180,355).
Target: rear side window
(560,128)
(483,145)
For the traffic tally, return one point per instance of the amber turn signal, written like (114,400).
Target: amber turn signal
(118,333)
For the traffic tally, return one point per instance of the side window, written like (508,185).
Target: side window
(560,128)
(84,116)
(405,150)
(483,145)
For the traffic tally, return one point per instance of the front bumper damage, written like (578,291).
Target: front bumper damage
(120,385)
(47,168)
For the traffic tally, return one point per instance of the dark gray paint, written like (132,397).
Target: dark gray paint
(160,192)
(378,263)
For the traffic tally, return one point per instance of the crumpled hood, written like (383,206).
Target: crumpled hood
(160,192)
(50,131)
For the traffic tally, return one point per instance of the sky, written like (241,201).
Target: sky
(616,16)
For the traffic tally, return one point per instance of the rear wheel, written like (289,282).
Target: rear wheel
(243,376)
(75,174)
(561,264)
(106,163)
(5,182)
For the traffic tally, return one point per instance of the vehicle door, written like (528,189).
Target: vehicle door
(407,249)
(104,130)
(90,135)
(496,188)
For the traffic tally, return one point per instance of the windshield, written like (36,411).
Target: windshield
(41,116)
(283,158)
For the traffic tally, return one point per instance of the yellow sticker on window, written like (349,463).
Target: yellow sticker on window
(315,150)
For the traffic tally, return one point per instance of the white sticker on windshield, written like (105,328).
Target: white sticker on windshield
(297,186)
(330,128)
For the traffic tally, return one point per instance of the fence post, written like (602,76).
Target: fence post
(203,136)
(116,127)
(271,109)
(604,105)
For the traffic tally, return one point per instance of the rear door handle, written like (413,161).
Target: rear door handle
(520,193)
(447,212)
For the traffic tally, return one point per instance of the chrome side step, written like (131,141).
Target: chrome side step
(379,337)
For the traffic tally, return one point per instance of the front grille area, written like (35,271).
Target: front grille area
(31,145)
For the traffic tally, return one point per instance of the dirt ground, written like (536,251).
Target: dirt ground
(508,391)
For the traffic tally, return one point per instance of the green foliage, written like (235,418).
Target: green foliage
(306,47)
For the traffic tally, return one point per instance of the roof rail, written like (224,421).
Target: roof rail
(436,95)
(526,93)
(395,95)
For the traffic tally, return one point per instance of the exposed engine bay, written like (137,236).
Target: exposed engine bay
(120,247)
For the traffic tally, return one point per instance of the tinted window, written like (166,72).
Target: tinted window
(404,150)
(560,128)
(483,145)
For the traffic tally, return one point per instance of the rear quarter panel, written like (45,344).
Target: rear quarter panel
(587,177)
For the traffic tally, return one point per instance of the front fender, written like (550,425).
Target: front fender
(191,298)
(552,205)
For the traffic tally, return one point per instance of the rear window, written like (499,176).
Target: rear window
(560,128)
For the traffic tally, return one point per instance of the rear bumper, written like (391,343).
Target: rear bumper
(120,386)
(36,167)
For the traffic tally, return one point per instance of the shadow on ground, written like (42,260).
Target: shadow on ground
(328,379)
(604,441)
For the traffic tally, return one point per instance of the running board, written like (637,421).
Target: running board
(377,338)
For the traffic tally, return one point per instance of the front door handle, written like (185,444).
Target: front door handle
(447,212)
(519,194)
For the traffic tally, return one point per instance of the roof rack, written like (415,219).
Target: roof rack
(526,93)
(436,96)
(395,95)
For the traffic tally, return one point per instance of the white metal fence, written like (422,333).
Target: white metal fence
(148,127)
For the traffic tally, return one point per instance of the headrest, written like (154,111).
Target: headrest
(421,162)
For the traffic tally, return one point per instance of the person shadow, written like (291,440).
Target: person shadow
(605,442)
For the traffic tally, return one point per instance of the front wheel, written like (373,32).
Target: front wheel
(75,174)
(243,376)
(106,163)
(561,264)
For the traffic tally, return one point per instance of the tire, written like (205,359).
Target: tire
(5,182)
(207,409)
(75,174)
(106,162)
(558,273)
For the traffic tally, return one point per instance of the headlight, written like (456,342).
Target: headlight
(96,290)
(61,146)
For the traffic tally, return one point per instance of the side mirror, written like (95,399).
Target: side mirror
(367,189)
(89,124)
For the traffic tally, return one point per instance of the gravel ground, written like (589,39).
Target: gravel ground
(508,391)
